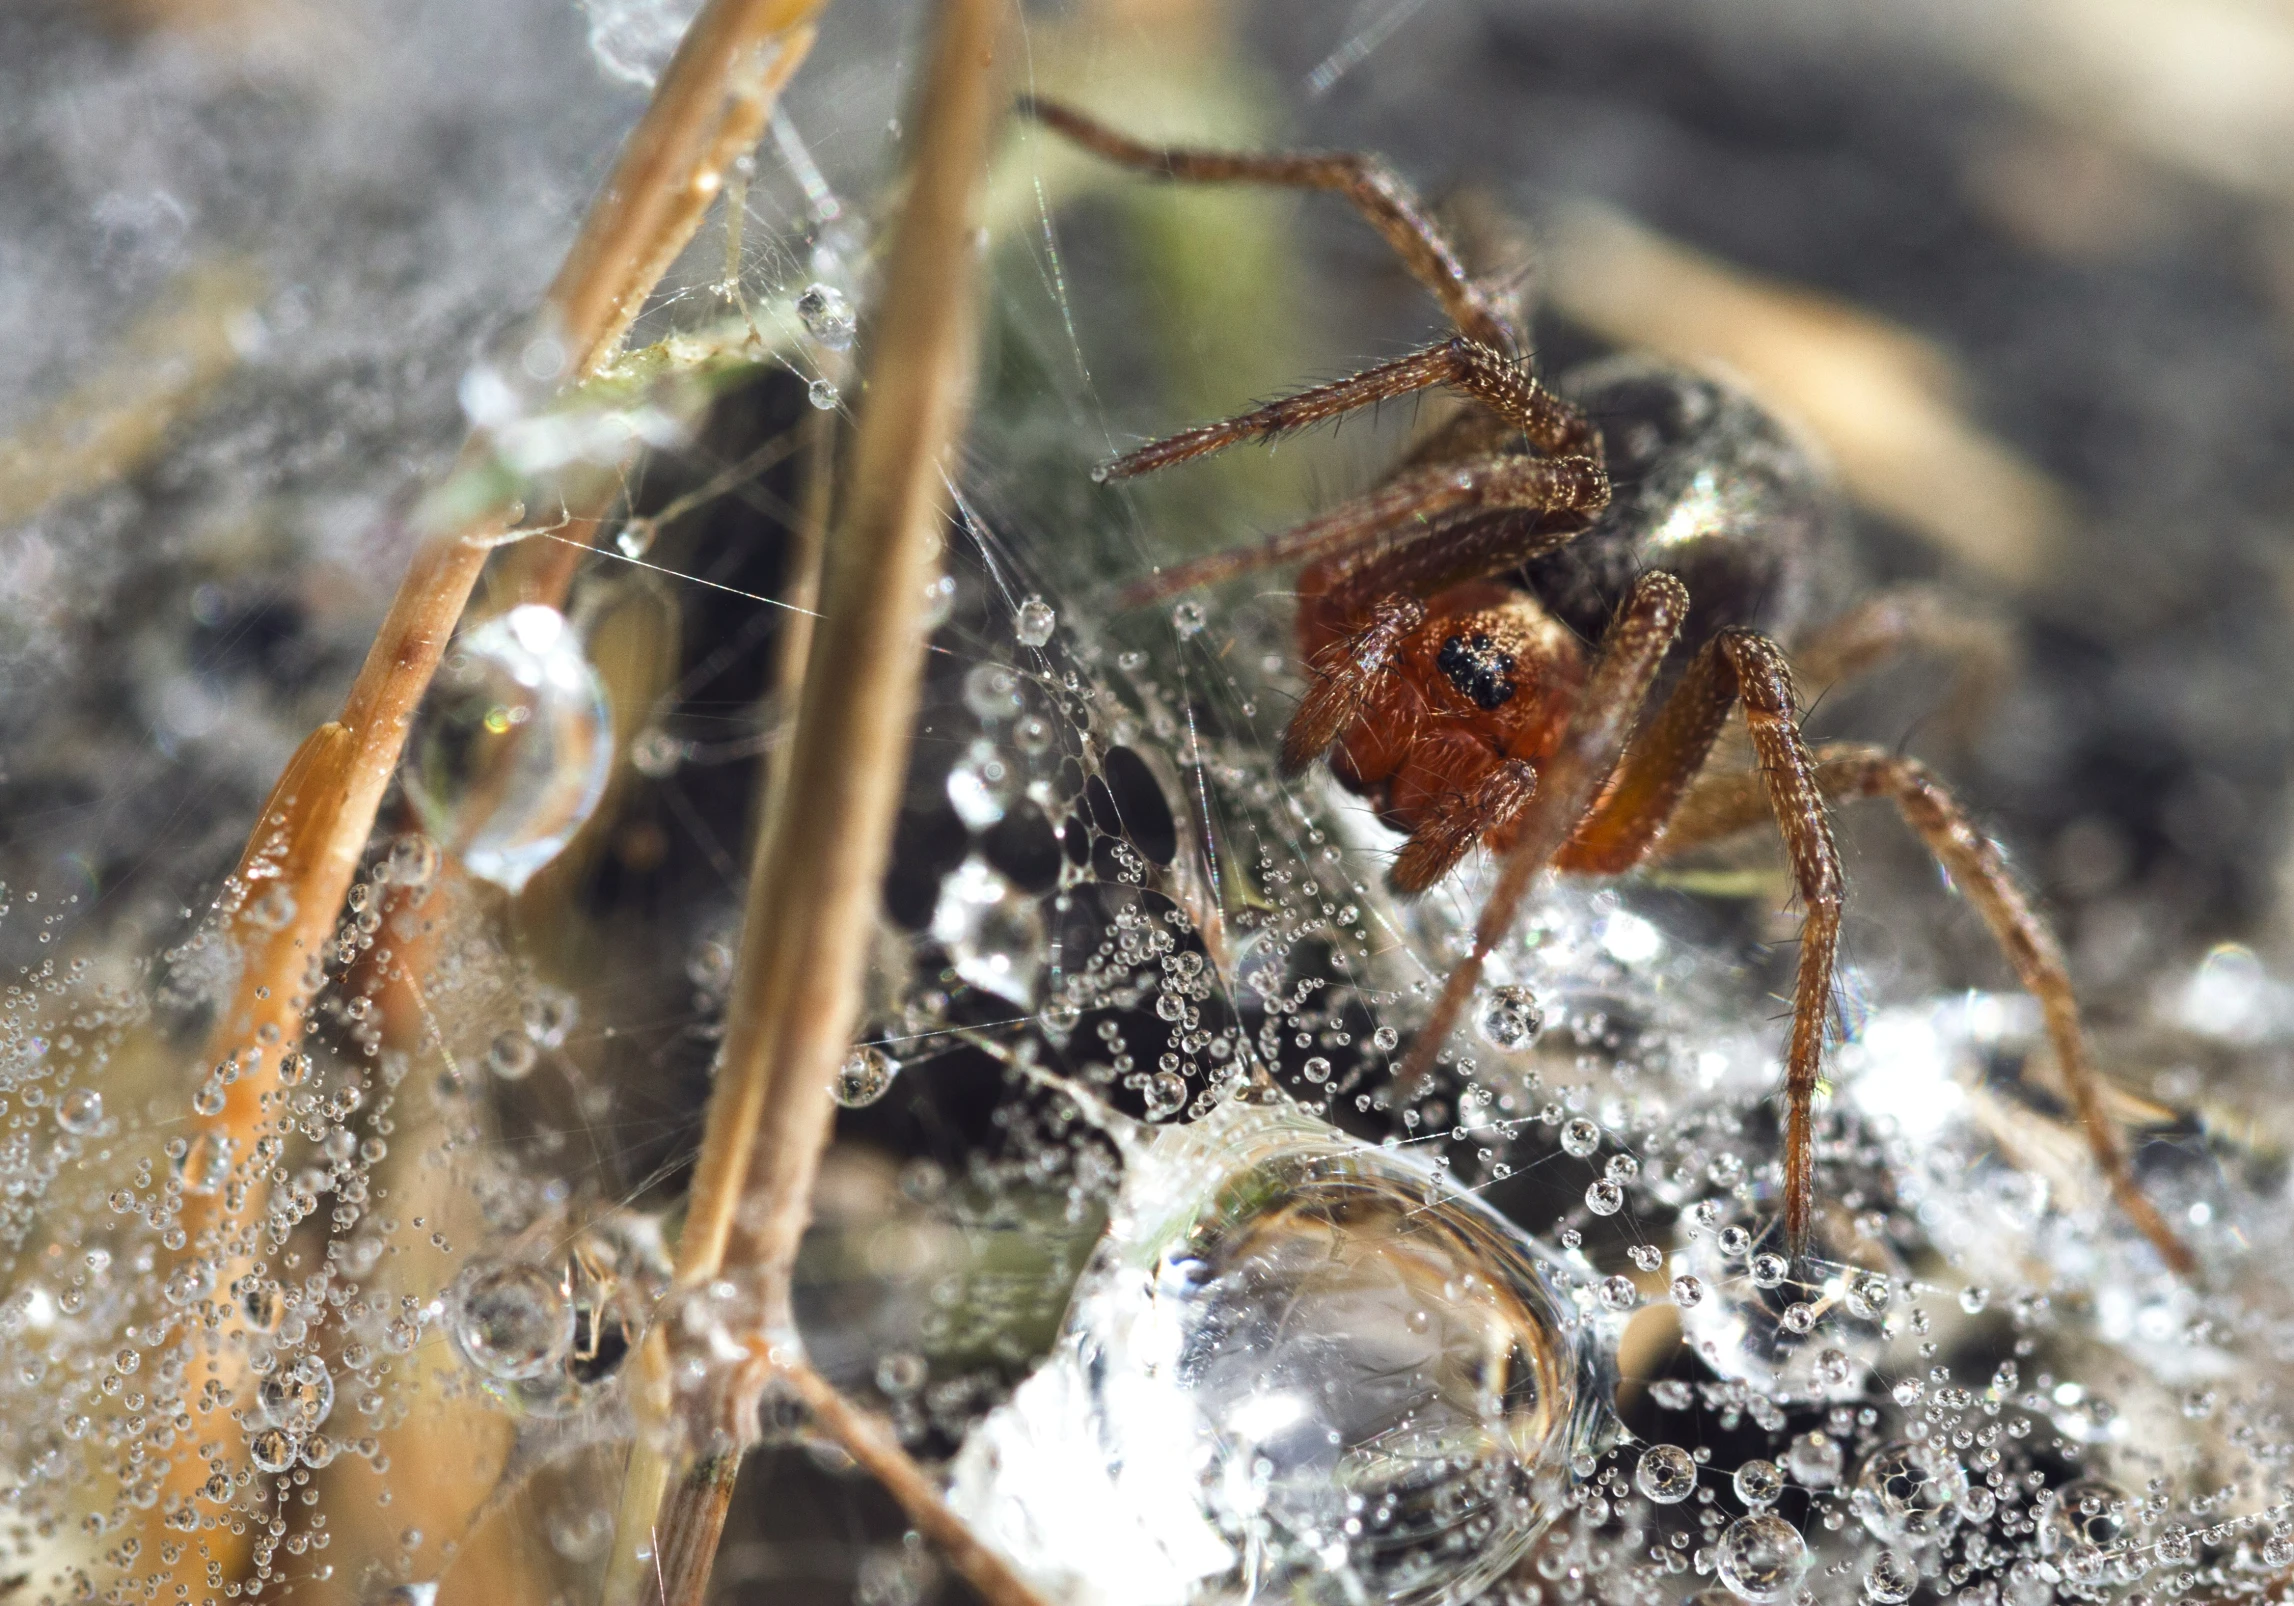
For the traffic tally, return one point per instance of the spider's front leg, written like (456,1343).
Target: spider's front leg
(1722,805)
(1741,666)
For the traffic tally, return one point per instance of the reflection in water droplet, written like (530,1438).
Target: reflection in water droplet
(1510,1018)
(1290,1370)
(1908,1494)
(1580,1138)
(1666,1474)
(1166,1093)
(298,1397)
(510,1320)
(1758,1483)
(864,1077)
(827,316)
(821,394)
(982,785)
(1891,1579)
(80,1111)
(993,932)
(511,1056)
(512,749)
(273,1449)
(1035,622)
(1188,619)
(1761,1557)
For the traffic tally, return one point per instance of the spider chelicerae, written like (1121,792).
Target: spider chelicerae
(1443,615)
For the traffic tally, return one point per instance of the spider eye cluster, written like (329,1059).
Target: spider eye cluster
(1478,668)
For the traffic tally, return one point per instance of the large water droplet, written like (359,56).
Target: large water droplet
(512,749)
(864,1077)
(982,785)
(1891,1579)
(80,1111)
(1510,1018)
(1908,1494)
(1666,1474)
(1761,1557)
(827,316)
(993,932)
(1035,622)
(510,1320)
(1297,1365)
(297,1397)
(272,1449)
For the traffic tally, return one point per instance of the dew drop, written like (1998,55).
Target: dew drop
(1166,1092)
(939,601)
(1385,1039)
(1815,1461)
(297,1398)
(1908,1494)
(1316,1070)
(1769,1269)
(294,1068)
(655,754)
(550,1014)
(80,1111)
(1188,619)
(511,1056)
(1666,1474)
(1580,1138)
(412,862)
(1890,1579)
(1035,622)
(821,394)
(864,1077)
(1688,1291)
(1619,1294)
(994,933)
(1761,1558)
(1758,1483)
(513,746)
(1510,1018)
(1604,1198)
(826,315)
(510,1320)
(272,1449)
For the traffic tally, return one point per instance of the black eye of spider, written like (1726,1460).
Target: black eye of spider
(1478,669)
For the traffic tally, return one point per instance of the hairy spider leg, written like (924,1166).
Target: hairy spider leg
(1420,528)
(1632,648)
(1723,805)
(1740,666)
(1978,644)
(1375,190)
(1502,383)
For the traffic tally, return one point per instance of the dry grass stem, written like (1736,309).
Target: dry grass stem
(871,1442)
(306,846)
(814,884)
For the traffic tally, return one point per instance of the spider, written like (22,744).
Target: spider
(1442,618)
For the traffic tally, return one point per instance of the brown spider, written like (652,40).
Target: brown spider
(1449,688)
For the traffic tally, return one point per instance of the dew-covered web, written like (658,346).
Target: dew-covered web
(1131,1226)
